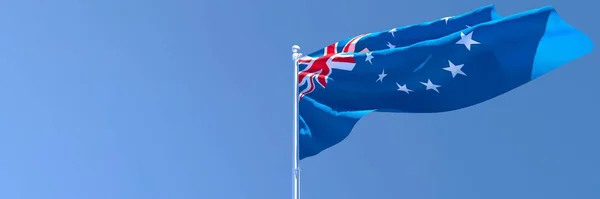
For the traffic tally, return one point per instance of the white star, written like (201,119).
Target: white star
(467,26)
(381,76)
(369,57)
(455,69)
(403,88)
(431,86)
(393,31)
(390,45)
(446,19)
(467,40)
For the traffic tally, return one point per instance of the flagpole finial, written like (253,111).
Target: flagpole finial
(296,52)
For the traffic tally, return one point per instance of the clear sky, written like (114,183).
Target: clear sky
(182,99)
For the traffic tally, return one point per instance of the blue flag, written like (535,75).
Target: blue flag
(439,66)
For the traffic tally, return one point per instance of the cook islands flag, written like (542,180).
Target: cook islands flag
(438,66)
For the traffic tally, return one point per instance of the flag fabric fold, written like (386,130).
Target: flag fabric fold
(438,66)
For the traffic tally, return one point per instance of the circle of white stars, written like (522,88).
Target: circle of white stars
(454,69)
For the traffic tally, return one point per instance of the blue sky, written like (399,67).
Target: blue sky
(193,99)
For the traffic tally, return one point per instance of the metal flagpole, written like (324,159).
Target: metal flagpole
(296,55)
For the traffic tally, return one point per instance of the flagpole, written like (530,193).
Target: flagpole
(296,55)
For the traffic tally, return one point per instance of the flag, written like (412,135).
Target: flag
(438,66)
